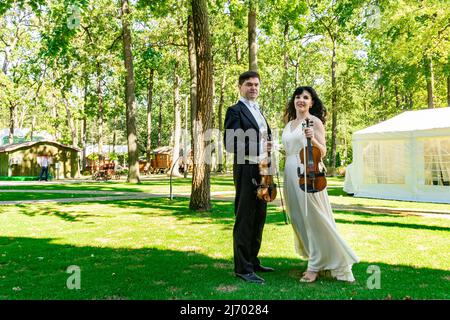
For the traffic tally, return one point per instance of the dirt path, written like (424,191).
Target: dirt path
(222,196)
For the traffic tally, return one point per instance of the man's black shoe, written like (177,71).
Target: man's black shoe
(263,269)
(250,277)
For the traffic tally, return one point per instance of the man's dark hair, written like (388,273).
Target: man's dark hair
(247,75)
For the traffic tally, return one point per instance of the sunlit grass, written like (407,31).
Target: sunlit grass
(159,249)
(160,184)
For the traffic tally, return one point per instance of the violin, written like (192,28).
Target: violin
(266,190)
(314,179)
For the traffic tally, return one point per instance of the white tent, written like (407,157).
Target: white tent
(403,158)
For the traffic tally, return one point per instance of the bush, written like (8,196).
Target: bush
(122,172)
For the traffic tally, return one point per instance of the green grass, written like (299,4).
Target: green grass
(161,184)
(159,249)
(20,196)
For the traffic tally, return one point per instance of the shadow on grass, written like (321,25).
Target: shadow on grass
(52,211)
(36,269)
(387,223)
(222,213)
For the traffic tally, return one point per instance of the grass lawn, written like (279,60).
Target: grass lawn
(160,184)
(158,249)
(20,196)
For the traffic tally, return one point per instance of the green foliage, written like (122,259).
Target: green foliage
(93,156)
(112,156)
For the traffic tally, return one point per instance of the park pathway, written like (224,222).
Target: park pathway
(220,195)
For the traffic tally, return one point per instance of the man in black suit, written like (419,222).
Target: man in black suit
(246,135)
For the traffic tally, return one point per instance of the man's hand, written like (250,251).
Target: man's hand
(267,146)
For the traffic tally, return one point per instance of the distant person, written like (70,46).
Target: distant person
(315,233)
(44,168)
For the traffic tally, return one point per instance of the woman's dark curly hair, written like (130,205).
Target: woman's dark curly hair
(317,109)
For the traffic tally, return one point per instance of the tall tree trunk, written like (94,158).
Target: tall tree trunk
(252,48)
(430,83)
(201,193)
(193,74)
(220,115)
(177,117)
(149,119)
(12,121)
(160,121)
(33,126)
(70,122)
(55,116)
(286,64)
(397,97)
(133,167)
(84,124)
(100,115)
(114,139)
(237,48)
(334,110)
(33,118)
(448,91)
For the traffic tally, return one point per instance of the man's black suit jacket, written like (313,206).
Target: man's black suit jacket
(242,133)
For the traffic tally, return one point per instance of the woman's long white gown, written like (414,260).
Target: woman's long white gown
(315,235)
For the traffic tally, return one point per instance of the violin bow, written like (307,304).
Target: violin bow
(286,221)
(281,198)
(305,124)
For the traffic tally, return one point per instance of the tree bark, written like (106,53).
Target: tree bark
(70,121)
(286,64)
(193,74)
(252,48)
(12,121)
(133,167)
(149,118)
(84,123)
(177,118)
(448,91)
(334,110)
(237,48)
(100,115)
(397,97)
(430,84)
(220,115)
(33,126)
(160,121)
(200,194)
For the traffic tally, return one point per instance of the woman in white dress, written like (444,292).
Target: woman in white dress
(315,235)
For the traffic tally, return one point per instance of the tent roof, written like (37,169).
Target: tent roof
(426,119)
(15,146)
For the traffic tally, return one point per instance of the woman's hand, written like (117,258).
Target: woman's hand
(309,132)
